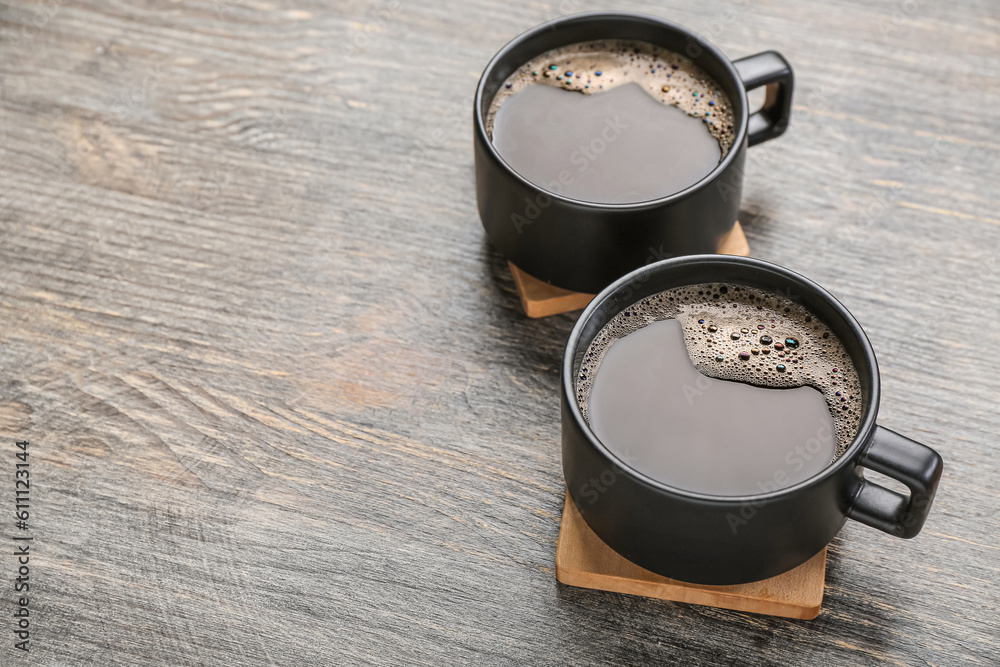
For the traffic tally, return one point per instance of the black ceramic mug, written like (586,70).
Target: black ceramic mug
(581,245)
(707,539)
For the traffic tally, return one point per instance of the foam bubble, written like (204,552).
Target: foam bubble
(780,344)
(593,67)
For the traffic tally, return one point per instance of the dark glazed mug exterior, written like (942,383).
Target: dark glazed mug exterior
(707,539)
(583,246)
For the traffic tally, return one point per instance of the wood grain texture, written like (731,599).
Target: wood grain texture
(583,560)
(542,299)
(285,408)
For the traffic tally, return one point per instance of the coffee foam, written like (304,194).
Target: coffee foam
(712,314)
(593,67)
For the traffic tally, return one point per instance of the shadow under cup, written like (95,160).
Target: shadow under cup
(583,246)
(707,539)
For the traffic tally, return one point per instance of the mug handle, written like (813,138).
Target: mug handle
(915,465)
(772,70)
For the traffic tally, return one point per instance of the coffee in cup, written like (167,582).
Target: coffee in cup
(611,121)
(593,214)
(736,513)
(721,389)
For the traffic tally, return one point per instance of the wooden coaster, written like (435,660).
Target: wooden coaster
(583,560)
(540,299)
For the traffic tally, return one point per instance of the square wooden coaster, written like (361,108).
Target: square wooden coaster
(540,299)
(583,560)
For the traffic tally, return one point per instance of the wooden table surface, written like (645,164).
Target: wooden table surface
(284,407)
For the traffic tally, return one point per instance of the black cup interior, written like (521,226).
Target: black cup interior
(696,269)
(611,25)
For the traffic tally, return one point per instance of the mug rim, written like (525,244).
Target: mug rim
(738,105)
(861,438)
